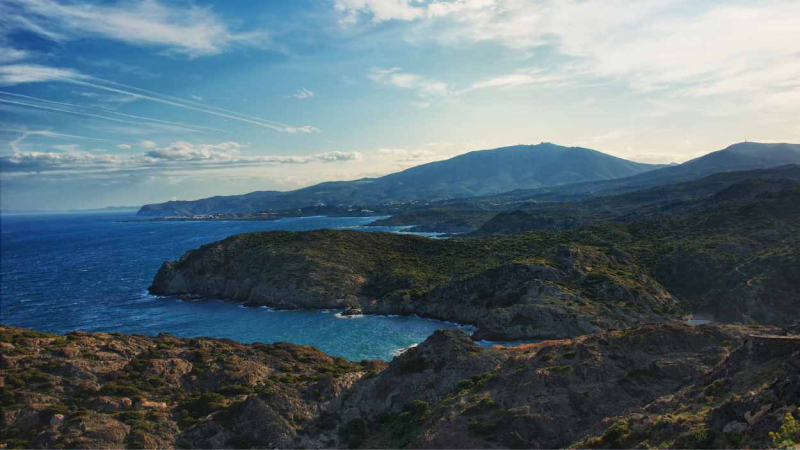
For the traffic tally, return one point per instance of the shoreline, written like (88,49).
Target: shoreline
(471,329)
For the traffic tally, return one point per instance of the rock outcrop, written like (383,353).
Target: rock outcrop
(115,391)
(663,385)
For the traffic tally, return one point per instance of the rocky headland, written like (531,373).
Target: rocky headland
(510,288)
(666,386)
(732,255)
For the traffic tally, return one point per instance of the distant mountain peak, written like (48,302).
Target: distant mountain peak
(480,172)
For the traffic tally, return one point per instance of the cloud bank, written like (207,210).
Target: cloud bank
(177,28)
(695,49)
(179,154)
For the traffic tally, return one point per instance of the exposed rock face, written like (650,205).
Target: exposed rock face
(427,372)
(655,386)
(521,293)
(736,404)
(117,391)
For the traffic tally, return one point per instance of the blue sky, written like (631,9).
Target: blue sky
(133,102)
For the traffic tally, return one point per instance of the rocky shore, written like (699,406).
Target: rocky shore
(667,386)
(508,288)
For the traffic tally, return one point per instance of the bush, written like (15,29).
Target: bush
(789,434)
(121,388)
(204,405)
(237,389)
(418,408)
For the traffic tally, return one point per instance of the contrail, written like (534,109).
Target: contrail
(173,103)
(196,104)
(84,114)
(51,133)
(199,127)
(14,144)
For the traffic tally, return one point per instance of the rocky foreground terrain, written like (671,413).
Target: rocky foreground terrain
(666,385)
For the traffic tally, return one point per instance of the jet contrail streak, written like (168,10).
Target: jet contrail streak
(51,133)
(203,105)
(79,113)
(173,103)
(72,105)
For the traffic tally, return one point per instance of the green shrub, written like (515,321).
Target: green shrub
(789,434)
(121,388)
(236,389)
(419,408)
(17,443)
(204,405)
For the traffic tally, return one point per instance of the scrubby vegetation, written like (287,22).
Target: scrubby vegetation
(133,391)
(665,386)
(443,219)
(789,434)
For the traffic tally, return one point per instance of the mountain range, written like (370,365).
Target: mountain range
(476,173)
(737,157)
(543,172)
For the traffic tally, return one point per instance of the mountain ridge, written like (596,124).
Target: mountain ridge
(476,173)
(735,157)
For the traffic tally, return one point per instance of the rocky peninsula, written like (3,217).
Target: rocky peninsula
(509,288)
(666,386)
(733,255)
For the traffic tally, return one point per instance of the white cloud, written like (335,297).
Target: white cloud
(396,77)
(303,129)
(428,89)
(384,10)
(302,94)
(184,151)
(188,30)
(693,49)
(124,146)
(10,54)
(146,144)
(44,161)
(564,76)
(33,73)
(180,154)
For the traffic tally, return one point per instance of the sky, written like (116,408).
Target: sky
(133,102)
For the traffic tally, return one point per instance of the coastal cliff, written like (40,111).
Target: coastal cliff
(510,288)
(667,385)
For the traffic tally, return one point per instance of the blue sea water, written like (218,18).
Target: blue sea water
(91,272)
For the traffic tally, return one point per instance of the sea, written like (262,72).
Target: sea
(64,272)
